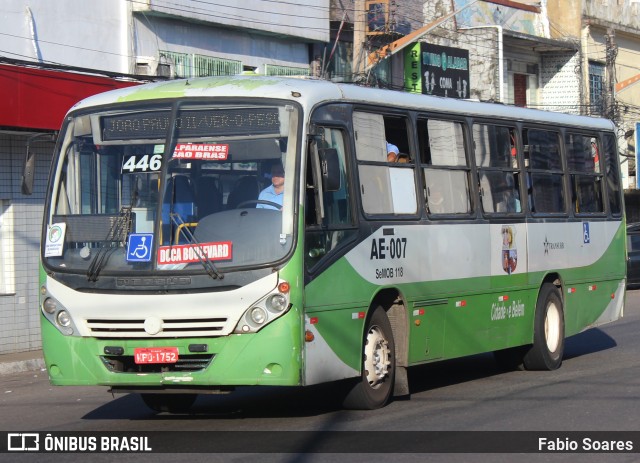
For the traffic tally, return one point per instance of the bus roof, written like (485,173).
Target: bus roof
(311,92)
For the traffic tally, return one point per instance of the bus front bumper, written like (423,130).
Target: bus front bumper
(271,356)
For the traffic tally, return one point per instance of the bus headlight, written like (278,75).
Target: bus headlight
(50,305)
(265,310)
(258,315)
(63,318)
(57,314)
(277,303)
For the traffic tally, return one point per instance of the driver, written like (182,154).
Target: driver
(274,192)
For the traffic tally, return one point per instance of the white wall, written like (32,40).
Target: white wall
(19,305)
(307,19)
(107,35)
(90,34)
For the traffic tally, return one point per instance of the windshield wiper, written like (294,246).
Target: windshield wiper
(202,256)
(117,234)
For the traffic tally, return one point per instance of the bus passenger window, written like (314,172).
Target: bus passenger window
(614,190)
(583,160)
(496,158)
(444,167)
(545,172)
(499,192)
(387,182)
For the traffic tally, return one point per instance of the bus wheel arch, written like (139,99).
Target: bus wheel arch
(380,362)
(549,328)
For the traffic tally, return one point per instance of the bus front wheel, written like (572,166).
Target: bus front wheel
(373,389)
(548,336)
(169,403)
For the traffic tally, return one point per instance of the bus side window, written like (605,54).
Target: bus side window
(583,161)
(614,190)
(545,171)
(402,180)
(337,225)
(387,184)
(445,168)
(496,158)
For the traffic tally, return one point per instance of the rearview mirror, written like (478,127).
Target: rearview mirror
(30,161)
(330,167)
(27,172)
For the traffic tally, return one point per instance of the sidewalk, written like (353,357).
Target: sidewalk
(22,361)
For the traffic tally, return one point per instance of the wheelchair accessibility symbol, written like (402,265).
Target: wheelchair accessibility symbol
(139,247)
(586,235)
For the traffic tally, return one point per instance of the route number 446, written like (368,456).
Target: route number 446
(145,163)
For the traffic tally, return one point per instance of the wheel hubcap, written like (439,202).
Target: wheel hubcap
(377,357)
(552,328)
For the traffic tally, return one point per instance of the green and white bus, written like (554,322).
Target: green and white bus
(166,271)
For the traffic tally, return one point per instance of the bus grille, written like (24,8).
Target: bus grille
(126,364)
(105,328)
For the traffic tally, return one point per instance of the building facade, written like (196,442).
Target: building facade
(611,71)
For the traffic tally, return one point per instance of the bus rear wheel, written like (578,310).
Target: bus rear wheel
(169,403)
(373,389)
(548,336)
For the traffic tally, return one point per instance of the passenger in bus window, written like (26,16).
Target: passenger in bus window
(510,197)
(403,158)
(274,192)
(393,153)
(510,202)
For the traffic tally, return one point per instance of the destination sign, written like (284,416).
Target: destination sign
(154,125)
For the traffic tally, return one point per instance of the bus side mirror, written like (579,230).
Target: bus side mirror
(27,172)
(330,167)
(30,161)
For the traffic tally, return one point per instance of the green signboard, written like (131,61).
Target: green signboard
(437,70)
(412,69)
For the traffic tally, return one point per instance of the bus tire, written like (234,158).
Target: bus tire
(548,332)
(169,403)
(375,385)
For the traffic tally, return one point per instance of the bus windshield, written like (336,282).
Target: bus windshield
(187,188)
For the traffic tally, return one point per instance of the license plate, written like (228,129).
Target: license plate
(155,355)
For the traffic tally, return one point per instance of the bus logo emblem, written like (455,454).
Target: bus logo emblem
(24,441)
(509,251)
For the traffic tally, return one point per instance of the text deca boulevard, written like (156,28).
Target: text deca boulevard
(585,445)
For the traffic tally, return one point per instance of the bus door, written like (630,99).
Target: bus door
(331,297)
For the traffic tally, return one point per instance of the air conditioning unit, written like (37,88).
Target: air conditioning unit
(165,70)
(149,66)
(146,66)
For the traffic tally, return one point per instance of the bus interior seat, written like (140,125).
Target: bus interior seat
(208,196)
(179,199)
(245,189)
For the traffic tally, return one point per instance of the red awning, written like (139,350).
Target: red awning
(33,98)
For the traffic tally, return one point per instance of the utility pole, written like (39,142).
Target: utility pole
(611,52)
(359,22)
